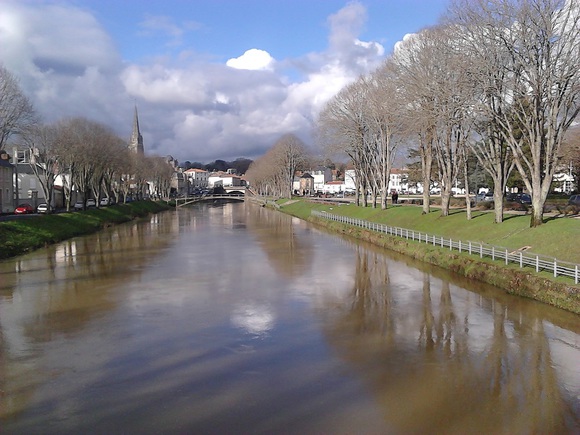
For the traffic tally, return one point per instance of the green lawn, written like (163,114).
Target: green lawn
(23,235)
(558,237)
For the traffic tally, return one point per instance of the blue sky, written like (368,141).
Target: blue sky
(213,79)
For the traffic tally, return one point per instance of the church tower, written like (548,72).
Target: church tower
(136,142)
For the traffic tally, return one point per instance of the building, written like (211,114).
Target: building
(196,178)
(224,179)
(6,183)
(306,184)
(321,176)
(350,180)
(398,180)
(136,141)
(334,187)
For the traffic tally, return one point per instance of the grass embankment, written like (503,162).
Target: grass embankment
(557,238)
(29,233)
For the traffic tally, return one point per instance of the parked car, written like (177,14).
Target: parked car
(483,197)
(24,209)
(105,202)
(90,203)
(42,208)
(574,200)
(521,198)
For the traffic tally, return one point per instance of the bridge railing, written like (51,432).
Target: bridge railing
(179,202)
(520,257)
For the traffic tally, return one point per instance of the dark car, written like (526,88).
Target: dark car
(574,200)
(24,209)
(521,198)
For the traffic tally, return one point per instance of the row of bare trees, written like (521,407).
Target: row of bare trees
(499,79)
(82,155)
(273,173)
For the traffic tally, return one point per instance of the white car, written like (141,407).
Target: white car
(42,208)
(90,203)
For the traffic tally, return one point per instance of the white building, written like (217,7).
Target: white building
(398,180)
(224,179)
(334,187)
(349,180)
(321,176)
(196,178)
(564,182)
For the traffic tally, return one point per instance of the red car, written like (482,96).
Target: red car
(24,209)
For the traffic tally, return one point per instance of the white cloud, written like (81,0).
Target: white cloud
(252,59)
(189,107)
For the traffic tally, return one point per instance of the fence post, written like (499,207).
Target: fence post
(493,253)
(537,264)
(506,256)
(521,259)
(460,246)
(576,275)
(469,248)
(555,268)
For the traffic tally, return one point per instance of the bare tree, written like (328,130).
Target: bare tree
(161,175)
(542,81)
(289,155)
(384,126)
(415,68)
(67,149)
(41,141)
(16,111)
(341,128)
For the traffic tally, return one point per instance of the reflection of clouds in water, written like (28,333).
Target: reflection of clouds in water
(254,319)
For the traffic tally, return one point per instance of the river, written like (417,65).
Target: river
(232,318)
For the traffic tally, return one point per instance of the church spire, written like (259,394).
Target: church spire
(136,142)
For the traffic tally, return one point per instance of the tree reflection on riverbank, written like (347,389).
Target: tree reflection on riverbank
(53,293)
(434,365)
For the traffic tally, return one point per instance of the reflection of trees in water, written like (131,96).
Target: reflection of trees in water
(474,368)
(58,290)
(275,234)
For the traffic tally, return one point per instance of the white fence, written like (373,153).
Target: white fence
(520,257)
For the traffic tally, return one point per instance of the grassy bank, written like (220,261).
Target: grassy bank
(29,233)
(557,238)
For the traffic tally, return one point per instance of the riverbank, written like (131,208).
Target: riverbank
(558,238)
(32,232)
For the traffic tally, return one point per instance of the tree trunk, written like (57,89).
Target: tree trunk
(498,193)
(466,186)
(537,217)
(445,200)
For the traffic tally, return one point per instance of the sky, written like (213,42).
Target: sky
(211,79)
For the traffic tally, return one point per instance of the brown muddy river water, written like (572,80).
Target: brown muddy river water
(233,319)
